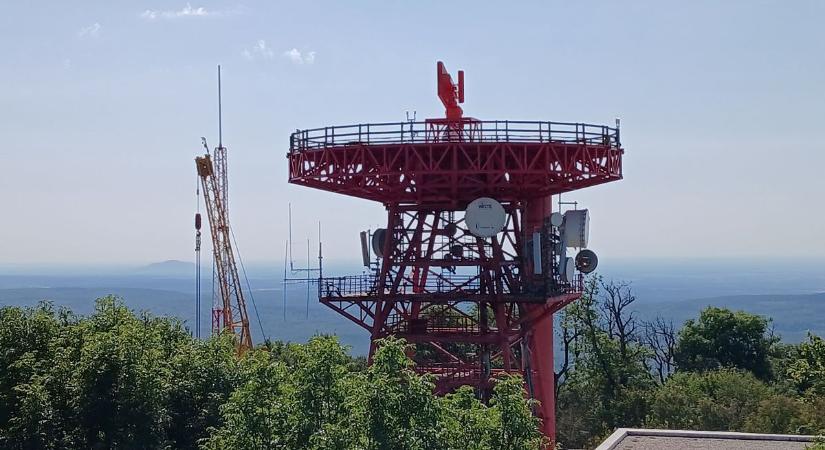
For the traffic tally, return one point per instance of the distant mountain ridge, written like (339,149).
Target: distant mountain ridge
(792,315)
(794,298)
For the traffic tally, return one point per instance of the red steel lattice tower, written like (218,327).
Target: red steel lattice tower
(474,305)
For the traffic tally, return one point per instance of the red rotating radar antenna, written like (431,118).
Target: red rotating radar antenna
(473,262)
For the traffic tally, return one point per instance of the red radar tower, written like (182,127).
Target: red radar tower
(473,262)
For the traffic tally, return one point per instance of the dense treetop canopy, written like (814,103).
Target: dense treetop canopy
(119,380)
(123,380)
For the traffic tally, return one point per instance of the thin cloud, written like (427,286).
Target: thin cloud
(298,57)
(92,31)
(187,11)
(259,50)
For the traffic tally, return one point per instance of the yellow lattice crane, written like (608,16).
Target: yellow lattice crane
(229,309)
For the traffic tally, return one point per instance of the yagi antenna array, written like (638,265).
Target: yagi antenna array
(307,275)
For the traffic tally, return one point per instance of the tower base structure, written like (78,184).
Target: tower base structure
(473,307)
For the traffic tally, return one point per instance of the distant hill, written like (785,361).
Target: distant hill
(793,315)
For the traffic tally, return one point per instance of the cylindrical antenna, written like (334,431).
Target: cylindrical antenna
(220,124)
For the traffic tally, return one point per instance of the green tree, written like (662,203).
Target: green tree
(719,400)
(723,338)
(470,424)
(118,380)
(780,414)
(96,382)
(256,415)
(806,368)
(517,427)
(117,376)
(111,380)
(202,376)
(398,407)
(606,383)
(319,387)
(25,354)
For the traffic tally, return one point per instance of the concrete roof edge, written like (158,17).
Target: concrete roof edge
(618,436)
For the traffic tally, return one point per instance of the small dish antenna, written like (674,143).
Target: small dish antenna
(586,261)
(576,228)
(556,219)
(485,217)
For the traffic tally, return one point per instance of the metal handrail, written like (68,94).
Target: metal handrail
(467,130)
(367,284)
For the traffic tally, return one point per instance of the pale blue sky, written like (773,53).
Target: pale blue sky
(102,105)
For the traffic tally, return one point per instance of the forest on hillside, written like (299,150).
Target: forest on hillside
(118,379)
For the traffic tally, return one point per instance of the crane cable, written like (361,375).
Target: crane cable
(248,286)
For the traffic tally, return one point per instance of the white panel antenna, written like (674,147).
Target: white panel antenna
(576,228)
(365,249)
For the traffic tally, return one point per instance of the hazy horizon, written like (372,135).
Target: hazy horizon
(51,268)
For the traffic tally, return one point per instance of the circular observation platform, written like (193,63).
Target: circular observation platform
(450,163)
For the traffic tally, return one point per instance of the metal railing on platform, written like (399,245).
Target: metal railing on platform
(367,285)
(467,130)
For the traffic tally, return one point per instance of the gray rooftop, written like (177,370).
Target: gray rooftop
(641,439)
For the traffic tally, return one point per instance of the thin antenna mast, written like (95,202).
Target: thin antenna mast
(220,114)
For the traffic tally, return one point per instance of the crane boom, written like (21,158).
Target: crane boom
(233,313)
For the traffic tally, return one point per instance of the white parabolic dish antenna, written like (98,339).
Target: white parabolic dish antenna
(485,217)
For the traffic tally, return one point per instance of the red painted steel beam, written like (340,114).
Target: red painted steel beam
(454,174)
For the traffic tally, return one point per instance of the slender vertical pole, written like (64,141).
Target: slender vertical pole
(198,260)
(289,242)
(283,282)
(198,288)
(320,261)
(220,116)
(320,256)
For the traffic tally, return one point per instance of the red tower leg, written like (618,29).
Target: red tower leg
(540,340)
(541,363)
